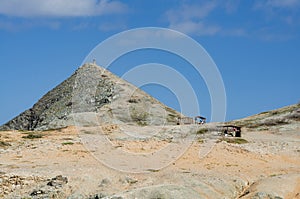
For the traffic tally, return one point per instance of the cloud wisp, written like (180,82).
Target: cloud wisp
(60,8)
(274,19)
(283,3)
(190,19)
(194,19)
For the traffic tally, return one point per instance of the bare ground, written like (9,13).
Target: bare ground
(268,166)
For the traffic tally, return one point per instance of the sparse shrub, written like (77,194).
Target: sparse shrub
(234,140)
(274,122)
(274,112)
(153,170)
(133,100)
(171,117)
(202,131)
(142,123)
(32,136)
(139,116)
(253,125)
(268,122)
(87,132)
(4,144)
(54,129)
(171,110)
(263,128)
(67,143)
(200,140)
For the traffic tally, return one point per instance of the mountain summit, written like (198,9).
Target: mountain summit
(93,96)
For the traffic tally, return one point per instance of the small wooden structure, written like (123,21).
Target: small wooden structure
(200,120)
(232,130)
(190,120)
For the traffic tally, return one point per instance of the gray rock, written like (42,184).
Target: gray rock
(104,182)
(262,195)
(161,192)
(130,180)
(58,181)
(37,192)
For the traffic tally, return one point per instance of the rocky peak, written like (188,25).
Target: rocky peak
(92,89)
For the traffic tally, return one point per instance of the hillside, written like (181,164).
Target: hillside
(288,115)
(93,95)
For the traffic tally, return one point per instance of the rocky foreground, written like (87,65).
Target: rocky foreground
(56,164)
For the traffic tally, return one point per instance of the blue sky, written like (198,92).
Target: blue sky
(255,45)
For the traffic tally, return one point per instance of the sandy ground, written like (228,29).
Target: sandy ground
(265,167)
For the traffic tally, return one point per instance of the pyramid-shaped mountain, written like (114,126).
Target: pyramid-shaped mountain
(93,96)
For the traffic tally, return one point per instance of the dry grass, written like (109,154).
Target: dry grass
(234,140)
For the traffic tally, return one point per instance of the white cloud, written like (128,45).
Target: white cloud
(276,5)
(60,8)
(198,19)
(189,12)
(285,12)
(189,19)
(272,34)
(195,28)
(283,3)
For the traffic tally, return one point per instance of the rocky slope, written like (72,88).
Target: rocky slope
(92,96)
(268,120)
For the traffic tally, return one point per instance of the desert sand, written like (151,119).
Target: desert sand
(60,165)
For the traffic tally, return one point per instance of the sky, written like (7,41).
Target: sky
(255,45)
